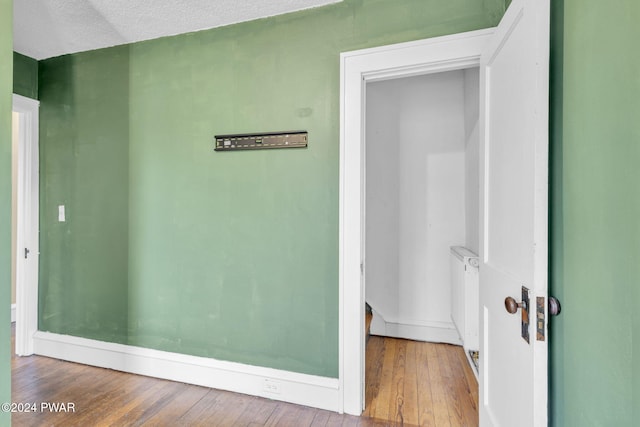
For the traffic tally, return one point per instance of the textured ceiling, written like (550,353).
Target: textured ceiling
(48,28)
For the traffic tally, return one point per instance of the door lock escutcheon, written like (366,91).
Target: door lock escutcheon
(512,307)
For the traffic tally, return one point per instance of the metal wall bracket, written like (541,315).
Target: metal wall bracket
(261,141)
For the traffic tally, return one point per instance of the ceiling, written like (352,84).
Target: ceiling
(48,28)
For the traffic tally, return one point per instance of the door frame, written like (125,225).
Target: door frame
(28,228)
(434,55)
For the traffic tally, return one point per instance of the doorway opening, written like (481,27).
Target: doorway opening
(25,222)
(360,70)
(421,199)
(421,182)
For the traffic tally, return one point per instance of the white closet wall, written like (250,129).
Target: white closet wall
(382,224)
(415,201)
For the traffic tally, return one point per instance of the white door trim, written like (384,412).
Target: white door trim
(433,55)
(27,224)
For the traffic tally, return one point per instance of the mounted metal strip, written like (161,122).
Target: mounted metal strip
(261,141)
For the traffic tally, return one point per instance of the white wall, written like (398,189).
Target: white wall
(472,158)
(415,207)
(382,224)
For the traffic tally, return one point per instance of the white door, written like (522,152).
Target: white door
(513,246)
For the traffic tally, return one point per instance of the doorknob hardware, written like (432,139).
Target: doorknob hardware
(26,253)
(512,305)
(553,309)
(553,306)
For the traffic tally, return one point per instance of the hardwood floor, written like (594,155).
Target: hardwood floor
(408,384)
(415,383)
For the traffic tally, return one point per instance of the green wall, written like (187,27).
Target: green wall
(596,214)
(25,76)
(556,238)
(6,81)
(173,246)
(84,165)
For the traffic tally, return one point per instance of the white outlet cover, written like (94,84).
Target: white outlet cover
(271,386)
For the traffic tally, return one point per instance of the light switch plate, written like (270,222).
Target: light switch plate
(61,215)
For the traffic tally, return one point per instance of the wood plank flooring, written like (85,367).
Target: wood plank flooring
(414,383)
(408,384)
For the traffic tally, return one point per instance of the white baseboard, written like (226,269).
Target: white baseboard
(13,313)
(302,389)
(444,332)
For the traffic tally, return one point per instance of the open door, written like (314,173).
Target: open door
(513,243)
